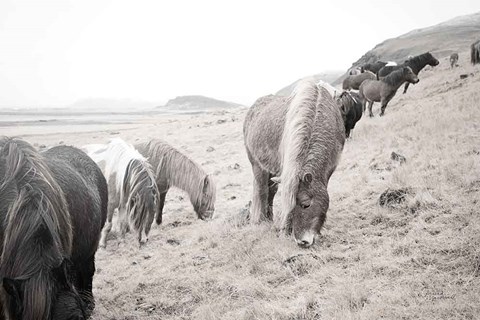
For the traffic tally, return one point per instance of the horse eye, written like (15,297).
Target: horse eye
(305,206)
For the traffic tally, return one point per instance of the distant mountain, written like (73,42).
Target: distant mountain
(328,76)
(197,102)
(455,35)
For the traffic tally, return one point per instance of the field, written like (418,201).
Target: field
(417,259)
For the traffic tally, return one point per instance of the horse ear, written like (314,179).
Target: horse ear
(12,287)
(307,178)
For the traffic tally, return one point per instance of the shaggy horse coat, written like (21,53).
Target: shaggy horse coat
(373,67)
(174,169)
(131,184)
(416,63)
(354,82)
(385,89)
(351,105)
(52,210)
(299,139)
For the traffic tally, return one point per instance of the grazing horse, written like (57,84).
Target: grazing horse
(174,169)
(351,105)
(354,82)
(416,63)
(453,60)
(475,52)
(373,67)
(385,89)
(53,206)
(299,139)
(131,184)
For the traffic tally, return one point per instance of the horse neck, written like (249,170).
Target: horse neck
(394,81)
(417,64)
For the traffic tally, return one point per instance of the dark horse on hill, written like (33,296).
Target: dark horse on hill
(385,89)
(52,209)
(475,52)
(351,105)
(373,67)
(416,63)
(298,139)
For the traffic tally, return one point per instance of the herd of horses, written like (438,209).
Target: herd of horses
(57,206)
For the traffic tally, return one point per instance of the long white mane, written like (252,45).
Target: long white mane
(295,141)
(113,158)
(334,92)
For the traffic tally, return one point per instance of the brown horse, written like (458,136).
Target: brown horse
(354,81)
(299,139)
(174,169)
(385,89)
(475,52)
(52,209)
(453,60)
(416,63)
(373,67)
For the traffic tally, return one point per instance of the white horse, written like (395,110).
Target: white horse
(131,185)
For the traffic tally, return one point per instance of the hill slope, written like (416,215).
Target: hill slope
(454,35)
(419,259)
(325,76)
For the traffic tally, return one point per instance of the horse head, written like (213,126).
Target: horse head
(432,61)
(409,75)
(206,203)
(310,210)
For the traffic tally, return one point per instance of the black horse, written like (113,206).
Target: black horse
(373,67)
(475,52)
(352,108)
(53,206)
(416,63)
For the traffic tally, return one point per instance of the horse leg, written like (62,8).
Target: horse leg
(364,103)
(123,220)
(108,226)
(384,106)
(406,87)
(259,209)
(161,203)
(84,280)
(370,105)
(272,190)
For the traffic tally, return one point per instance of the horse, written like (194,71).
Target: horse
(453,60)
(354,71)
(351,105)
(334,92)
(475,52)
(53,206)
(131,184)
(385,89)
(294,143)
(416,63)
(174,169)
(373,67)
(354,82)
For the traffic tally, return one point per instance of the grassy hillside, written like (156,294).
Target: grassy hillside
(417,259)
(455,35)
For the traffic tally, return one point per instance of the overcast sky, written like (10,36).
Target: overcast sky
(54,52)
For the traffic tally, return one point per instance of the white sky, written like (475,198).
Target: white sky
(54,52)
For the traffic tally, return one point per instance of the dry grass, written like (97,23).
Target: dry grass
(419,259)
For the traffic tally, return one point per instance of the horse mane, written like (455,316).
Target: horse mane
(138,179)
(38,211)
(418,62)
(180,171)
(133,173)
(395,77)
(294,146)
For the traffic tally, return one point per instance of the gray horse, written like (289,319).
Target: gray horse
(453,60)
(354,81)
(385,89)
(298,139)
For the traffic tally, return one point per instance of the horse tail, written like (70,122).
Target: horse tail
(297,131)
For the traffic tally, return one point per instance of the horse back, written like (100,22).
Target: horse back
(263,130)
(86,191)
